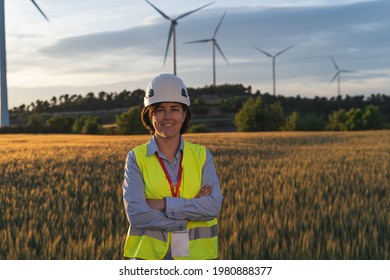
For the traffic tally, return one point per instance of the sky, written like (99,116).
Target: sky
(116,45)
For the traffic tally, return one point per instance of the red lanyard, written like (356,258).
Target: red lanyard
(174,191)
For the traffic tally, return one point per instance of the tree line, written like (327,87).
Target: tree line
(255,115)
(249,111)
(89,102)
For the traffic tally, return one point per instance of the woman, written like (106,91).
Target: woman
(171,190)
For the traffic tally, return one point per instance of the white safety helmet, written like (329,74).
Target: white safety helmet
(166,88)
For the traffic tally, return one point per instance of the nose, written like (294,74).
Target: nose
(167,114)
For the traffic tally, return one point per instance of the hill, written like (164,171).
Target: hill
(214,107)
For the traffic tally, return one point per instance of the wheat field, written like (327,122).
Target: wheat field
(287,195)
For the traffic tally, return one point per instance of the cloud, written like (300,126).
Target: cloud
(337,25)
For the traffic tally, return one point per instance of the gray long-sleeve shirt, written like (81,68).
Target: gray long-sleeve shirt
(178,210)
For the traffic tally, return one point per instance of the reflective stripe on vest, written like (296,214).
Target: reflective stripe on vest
(153,244)
(194,233)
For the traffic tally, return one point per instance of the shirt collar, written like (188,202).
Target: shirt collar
(153,148)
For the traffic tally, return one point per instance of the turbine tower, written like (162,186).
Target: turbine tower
(4,116)
(214,45)
(172,31)
(273,62)
(337,75)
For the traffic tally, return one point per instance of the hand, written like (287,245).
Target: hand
(204,191)
(158,204)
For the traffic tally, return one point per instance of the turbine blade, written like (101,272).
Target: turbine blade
(193,11)
(220,51)
(347,71)
(334,77)
(334,63)
(264,52)
(169,40)
(39,9)
(198,41)
(279,53)
(160,12)
(219,24)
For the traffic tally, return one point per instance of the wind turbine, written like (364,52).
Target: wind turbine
(337,75)
(273,61)
(4,116)
(214,44)
(172,31)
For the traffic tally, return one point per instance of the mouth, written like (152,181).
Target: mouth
(168,124)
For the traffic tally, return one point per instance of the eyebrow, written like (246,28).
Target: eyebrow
(170,106)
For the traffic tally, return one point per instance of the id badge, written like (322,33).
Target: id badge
(180,243)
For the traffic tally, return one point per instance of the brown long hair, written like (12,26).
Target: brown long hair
(147,114)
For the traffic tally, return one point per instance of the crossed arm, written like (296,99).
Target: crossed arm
(160,204)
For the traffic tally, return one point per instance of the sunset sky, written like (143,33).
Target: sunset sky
(96,45)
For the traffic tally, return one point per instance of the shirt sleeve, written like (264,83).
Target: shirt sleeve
(139,214)
(203,208)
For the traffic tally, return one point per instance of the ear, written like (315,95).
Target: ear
(184,115)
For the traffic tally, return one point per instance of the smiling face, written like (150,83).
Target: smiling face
(168,119)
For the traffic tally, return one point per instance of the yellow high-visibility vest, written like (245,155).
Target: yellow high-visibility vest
(153,244)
